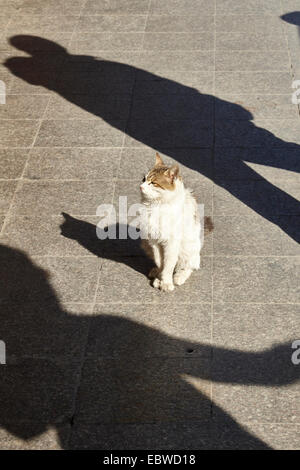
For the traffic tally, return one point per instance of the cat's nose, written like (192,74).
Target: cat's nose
(141,187)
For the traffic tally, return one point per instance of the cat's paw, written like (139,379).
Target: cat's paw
(153,273)
(166,286)
(156,283)
(179,279)
(181,276)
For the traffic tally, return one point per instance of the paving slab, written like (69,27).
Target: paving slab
(51,7)
(12,162)
(178,41)
(173,60)
(11,7)
(87,107)
(279,198)
(178,134)
(29,24)
(246,7)
(87,43)
(252,61)
(38,391)
(7,189)
(260,328)
(249,23)
(122,7)
(44,330)
(137,287)
(185,23)
(184,7)
(54,235)
(24,107)
(72,163)
(160,108)
(241,41)
(146,333)
(134,390)
(18,133)
(73,279)
(110,23)
(52,197)
(257,133)
(258,106)
(254,82)
(261,279)
(173,82)
(278,436)
(141,436)
(78,133)
(254,236)
(271,164)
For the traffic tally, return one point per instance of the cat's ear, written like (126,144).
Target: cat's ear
(158,160)
(172,172)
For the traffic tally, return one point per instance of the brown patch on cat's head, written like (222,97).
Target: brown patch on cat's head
(163,176)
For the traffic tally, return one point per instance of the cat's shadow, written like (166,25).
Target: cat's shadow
(126,251)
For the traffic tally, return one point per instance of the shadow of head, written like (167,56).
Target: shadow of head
(32,44)
(42,65)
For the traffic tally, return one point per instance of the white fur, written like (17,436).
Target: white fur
(171,230)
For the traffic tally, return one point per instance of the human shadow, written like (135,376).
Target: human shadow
(292,18)
(172,118)
(75,371)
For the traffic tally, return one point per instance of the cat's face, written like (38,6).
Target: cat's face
(160,181)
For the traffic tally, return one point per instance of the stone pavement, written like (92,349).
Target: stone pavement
(96,358)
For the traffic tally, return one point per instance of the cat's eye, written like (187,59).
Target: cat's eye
(144,179)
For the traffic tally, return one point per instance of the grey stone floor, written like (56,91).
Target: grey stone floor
(96,358)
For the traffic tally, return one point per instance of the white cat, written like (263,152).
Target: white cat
(171,226)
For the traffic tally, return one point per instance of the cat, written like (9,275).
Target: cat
(171,229)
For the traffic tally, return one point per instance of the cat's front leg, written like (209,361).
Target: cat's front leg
(156,255)
(170,257)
